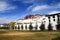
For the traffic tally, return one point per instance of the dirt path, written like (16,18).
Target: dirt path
(19,33)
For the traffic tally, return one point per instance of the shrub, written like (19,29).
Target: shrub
(42,27)
(58,27)
(22,27)
(49,27)
(30,27)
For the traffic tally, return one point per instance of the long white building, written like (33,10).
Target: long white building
(37,20)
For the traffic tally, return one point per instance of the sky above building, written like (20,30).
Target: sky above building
(12,10)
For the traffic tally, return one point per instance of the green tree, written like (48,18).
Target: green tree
(22,27)
(30,27)
(12,25)
(36,27)
(58,27)
(42,27)
(49,27)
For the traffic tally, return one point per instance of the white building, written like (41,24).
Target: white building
(37,20)
(4,26)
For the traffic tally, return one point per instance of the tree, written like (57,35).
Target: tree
(42,27)
(5,26)
(22,27)
(30,27)
(26,26)
(36,27)
(58,27)
(49,27)
(12,25)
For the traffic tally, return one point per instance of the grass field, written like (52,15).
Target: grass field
(19,35)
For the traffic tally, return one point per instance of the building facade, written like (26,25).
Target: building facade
(37,20)
(4,26)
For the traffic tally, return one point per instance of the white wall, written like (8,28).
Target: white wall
(38,21)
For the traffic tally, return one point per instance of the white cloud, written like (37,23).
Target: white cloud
(55,6)
(36,7)
(7,19)
(58,5)
(39,8)
(4,20)
(54,12)
(11,7)
(5,6)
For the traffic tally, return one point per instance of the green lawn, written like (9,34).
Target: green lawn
(20,35)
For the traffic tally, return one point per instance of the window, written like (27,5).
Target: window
(49,18)
(53,16)
(54,19)
(43,18)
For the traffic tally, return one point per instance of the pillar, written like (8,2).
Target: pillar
(53,22)
(34,26)
(54,26)
(20,27)
(27,26)
(24,25)
(38,26)
(46,23)
(17,27)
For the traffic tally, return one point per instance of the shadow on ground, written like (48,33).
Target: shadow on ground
(57,38)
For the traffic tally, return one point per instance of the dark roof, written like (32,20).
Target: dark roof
(52,14)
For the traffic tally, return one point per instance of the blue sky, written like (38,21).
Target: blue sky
(12,10)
